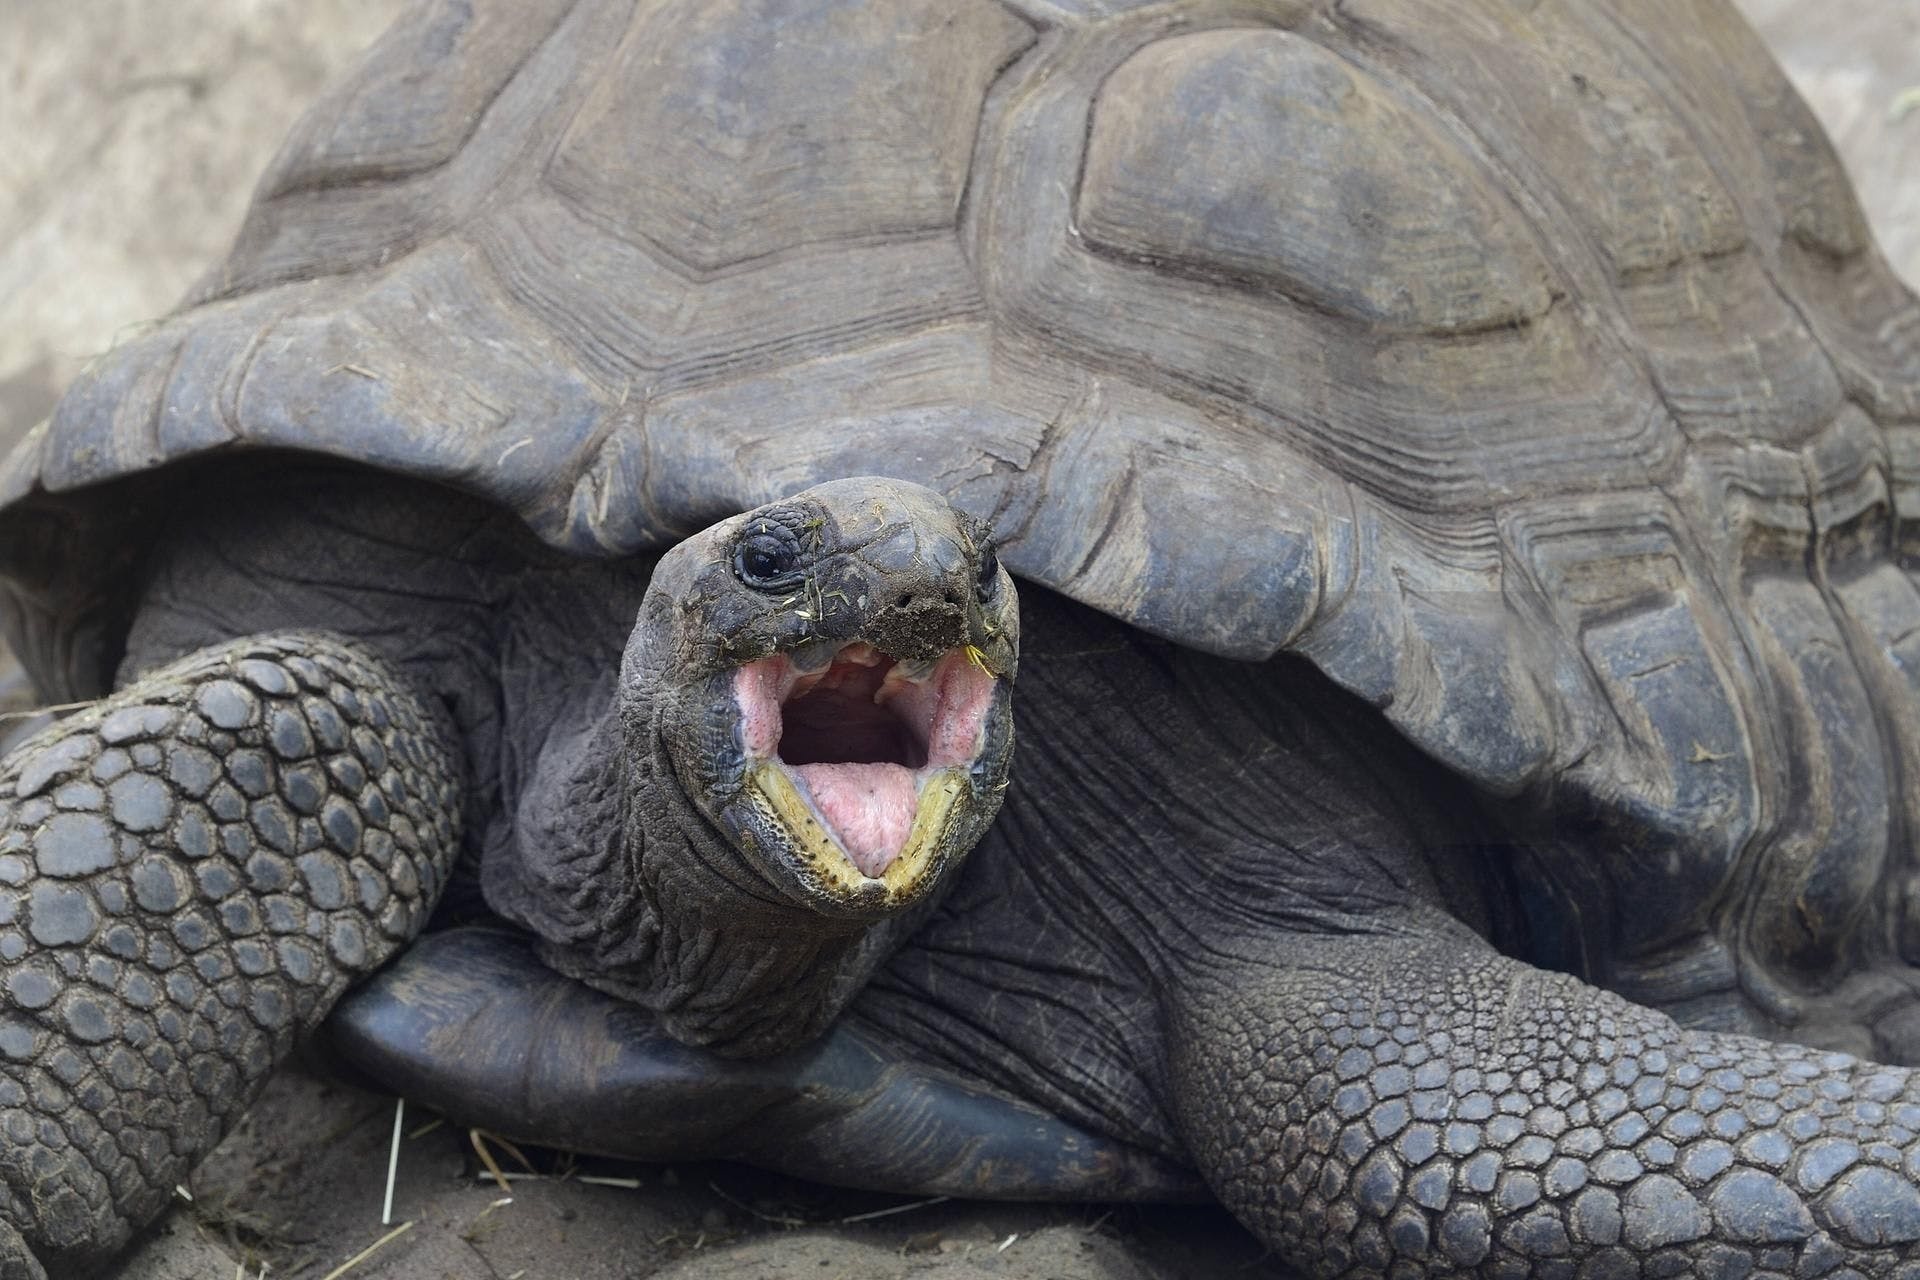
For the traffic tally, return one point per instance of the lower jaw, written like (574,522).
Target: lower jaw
(823,858)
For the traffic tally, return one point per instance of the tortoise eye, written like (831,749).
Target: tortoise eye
(767,557)
(989,580)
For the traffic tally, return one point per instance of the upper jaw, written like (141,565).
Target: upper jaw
(863,774)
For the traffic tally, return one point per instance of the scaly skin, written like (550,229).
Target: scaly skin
(195,869)
(1410,1103)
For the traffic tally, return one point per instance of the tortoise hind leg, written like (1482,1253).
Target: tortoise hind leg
(194,870)
(1406,1101)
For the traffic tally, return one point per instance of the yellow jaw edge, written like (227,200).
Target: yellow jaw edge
(823,854)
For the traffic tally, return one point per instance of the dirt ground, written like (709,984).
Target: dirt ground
(130,133)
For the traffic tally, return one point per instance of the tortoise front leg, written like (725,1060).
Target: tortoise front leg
(1410,1103)
(193,870)
(471,1019)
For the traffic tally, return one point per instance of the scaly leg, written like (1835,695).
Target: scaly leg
(1409,1103)
(191,872)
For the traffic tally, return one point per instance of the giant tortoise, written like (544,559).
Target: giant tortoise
(1454,454)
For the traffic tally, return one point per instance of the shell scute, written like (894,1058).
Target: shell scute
(426,370)
(1729,353)
(1816,205)
(434,123)
(1658,749)
(1422,421)
(640,325)
(1819,751)
(1827,849)
(1126,528)
(740,143)
(1266,160)
(399,114)
(1636,171)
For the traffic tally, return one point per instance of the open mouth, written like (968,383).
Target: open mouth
(872,749)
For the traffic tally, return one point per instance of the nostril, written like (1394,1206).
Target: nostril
(952,597)
(905,601)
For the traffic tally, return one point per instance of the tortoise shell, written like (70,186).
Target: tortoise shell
(1526,366)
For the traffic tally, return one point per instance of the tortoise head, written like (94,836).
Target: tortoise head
(829,678)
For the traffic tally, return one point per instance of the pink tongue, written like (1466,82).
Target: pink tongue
(869,806)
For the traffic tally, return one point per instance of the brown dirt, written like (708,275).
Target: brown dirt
(299,1187)
(129,138)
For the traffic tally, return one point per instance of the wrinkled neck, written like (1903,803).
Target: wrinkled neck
(735,965)
(633,891)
